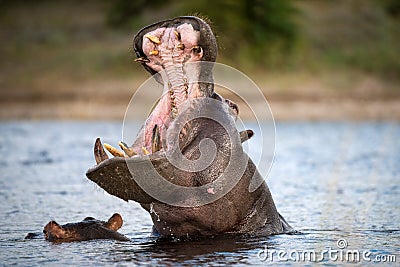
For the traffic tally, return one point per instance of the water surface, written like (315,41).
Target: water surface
(331,181)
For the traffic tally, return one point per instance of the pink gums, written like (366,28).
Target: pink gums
(180,81)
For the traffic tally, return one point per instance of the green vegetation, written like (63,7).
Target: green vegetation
(49,47)
(353,34)
(287,34)
(245,29)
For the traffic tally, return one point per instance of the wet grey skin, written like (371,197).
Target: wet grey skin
(169,46)
(88,229)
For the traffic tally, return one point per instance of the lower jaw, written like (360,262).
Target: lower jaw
(168,108)
(180,84)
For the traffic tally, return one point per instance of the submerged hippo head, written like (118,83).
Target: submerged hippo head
(163,169)
(88,229)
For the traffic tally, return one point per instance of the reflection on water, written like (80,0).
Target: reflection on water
(331,181)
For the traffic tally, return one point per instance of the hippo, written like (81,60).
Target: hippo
(167,169)
(88,229)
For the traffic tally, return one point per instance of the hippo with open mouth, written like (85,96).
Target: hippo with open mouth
(187,167)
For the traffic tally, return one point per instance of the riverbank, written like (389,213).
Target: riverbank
(282,110)
(327,95)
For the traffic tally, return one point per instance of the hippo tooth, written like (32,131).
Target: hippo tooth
(181,46)
(142,60)
(99,153)
(155,139)
(174,112)
(145,151)
(115,152)
(153,53)
(153,38)
(178,35)
(128,150)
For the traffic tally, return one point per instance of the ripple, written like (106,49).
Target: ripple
(326,188)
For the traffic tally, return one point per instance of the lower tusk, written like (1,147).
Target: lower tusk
(145,151)
(128,150)
(99,153)
(115,152)
(155,139)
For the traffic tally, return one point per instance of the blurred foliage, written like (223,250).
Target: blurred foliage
(391,7)
(357,34)
(286,34)
(122,11)
(93,37)
(245,29)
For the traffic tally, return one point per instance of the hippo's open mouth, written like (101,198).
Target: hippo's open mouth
(172,51)
(180,54)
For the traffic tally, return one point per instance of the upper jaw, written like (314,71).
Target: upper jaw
(206,38)
(174,51)
(172,47)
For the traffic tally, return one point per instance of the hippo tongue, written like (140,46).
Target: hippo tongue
(172,51)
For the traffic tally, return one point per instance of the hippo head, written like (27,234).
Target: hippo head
(187,167)
(53,231)
(174,52)
(180,54)
(88,228)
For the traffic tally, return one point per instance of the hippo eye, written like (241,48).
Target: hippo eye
(232,106)
(196,49)
(235,108)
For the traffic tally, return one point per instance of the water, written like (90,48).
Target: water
(331,181)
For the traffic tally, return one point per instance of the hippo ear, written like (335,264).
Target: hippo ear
(115,222)
(246,135)
(54,231)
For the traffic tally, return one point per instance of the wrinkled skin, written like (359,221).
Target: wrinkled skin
(88,229)
(165,49)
